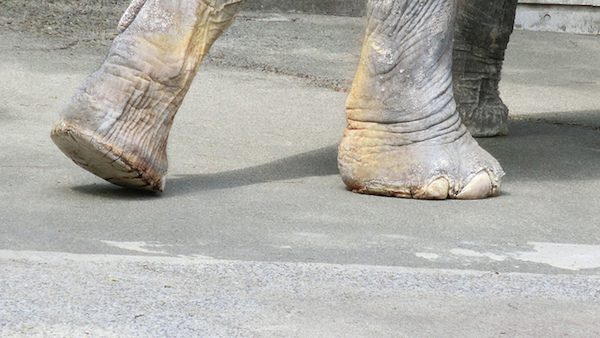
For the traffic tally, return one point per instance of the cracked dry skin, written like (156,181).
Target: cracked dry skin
(118,123)
(404,136)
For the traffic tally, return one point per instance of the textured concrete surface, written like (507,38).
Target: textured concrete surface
(256,234)
(335,7)
(100,295)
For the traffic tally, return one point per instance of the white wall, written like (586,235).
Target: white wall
(569,16)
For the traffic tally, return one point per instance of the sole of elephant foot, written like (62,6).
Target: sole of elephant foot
(102,159)
(449,171)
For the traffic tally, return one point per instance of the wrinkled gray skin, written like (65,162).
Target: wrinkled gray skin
(481,34)
(404,136)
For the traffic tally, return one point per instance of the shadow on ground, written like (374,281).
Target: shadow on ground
(534,151)
(543,151)
(320,162)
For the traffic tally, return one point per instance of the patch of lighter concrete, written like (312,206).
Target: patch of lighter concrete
(428,256)
(283,247)
(559,255)
(562,255)
(137,246)
(310,234)
(274,18)
(471,253)
(195,257)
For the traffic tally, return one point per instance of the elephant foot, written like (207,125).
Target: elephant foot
(477,97)
(106,161)
(487,119)
(404,136)
(481,34)
(117,125)
(423,170)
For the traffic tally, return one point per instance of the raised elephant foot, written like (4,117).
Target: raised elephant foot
(118,123)
(424,170)
(107,161)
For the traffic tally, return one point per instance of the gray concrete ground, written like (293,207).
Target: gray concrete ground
(256,234)
(331,7)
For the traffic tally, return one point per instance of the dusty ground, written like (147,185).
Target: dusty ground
(87,23)
(90,26)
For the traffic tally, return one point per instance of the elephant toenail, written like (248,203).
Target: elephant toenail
(480,187)
(436,190)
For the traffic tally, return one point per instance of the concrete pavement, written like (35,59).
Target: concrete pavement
(256,234)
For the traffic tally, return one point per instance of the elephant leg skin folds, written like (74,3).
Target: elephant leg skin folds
(118,123)
(481,35)
(404,136)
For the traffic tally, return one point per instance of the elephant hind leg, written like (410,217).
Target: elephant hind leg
(481,35)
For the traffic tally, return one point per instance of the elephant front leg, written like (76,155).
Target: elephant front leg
(481,35)
(404,136)
(118,123)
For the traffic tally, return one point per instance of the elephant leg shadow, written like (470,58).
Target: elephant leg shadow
(319,162)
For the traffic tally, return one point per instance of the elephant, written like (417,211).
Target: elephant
(405,135)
